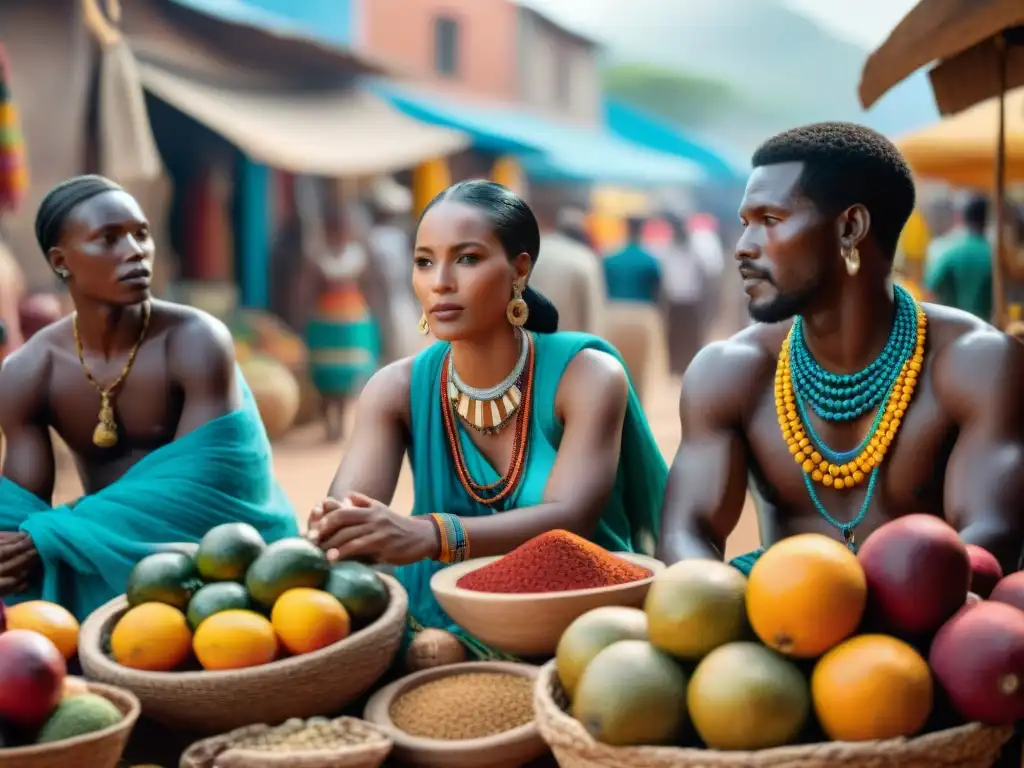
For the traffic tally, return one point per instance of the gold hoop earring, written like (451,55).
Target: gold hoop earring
(423,327)
(517,311)
(852,258)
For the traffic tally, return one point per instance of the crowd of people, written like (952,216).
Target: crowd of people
(846,403)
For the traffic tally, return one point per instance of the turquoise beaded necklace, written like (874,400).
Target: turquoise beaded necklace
(846,397)
(839,397)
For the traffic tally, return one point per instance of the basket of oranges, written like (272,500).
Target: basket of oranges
(239,632)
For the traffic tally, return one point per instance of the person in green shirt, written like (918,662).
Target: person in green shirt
(961,275)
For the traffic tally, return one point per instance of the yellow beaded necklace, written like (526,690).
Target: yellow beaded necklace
(802,447)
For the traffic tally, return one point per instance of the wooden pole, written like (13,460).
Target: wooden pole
(998,257)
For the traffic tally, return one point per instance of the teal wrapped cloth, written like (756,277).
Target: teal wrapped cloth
(744,563)
(220,473)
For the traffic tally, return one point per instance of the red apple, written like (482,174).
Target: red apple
(978,658)
(32,673)
(985,570)
(918,574)
(1010,590)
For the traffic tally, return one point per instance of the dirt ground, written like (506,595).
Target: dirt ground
(305,464)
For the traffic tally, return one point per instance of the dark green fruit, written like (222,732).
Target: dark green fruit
(226,552)
(214,598)
(284,565)
(359,589)
(165,577)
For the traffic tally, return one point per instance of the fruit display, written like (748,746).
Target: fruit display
(238,602)
(52,621)
(39,702)
(817,644)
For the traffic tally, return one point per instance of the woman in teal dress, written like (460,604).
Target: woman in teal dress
(511,428)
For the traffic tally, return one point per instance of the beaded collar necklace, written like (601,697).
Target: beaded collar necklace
(493,493)
(886,384)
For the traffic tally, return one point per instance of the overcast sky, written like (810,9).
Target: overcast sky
(864,21)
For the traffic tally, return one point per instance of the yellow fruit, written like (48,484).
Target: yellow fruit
(590,634)
(805,595)
(307,620)
(744,696)
(872,687)
(696,606)
(235,640)
(152,637)
(52,621)
(632,694)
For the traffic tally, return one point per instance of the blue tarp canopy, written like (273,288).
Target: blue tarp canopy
(640,128)
(549,150)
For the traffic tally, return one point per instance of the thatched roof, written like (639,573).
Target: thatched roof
(963,37)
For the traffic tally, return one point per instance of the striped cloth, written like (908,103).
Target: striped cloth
(343,341)
(13,164)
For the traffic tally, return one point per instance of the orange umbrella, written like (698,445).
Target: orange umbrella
(962,149)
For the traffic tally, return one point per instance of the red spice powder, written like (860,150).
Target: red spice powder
(555,561)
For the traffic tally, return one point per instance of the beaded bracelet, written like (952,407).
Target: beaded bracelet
(454,541)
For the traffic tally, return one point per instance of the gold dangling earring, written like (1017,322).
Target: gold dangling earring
(423,327)
(852,258)
(517,310)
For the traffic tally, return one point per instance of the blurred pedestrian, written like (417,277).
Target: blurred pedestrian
(342,337)
(684,284)
(634,326)
(961,275)
(569,275)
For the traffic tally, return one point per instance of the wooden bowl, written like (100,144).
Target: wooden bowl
(102,749)
(530,624)
(510,749)
(317,683)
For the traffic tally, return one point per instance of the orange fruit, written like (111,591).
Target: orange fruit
(234,640)
(152,637)
(805,595)
(307,620)
(872,687)
(52,621)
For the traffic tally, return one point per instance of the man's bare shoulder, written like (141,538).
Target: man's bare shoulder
(187,324)
(25,373)
(972,361)
(725,374)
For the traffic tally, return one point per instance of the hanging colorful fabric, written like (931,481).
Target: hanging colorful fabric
(13,163)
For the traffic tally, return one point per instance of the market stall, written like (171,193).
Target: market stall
(979,48)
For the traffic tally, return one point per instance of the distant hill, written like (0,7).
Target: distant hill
(782,67)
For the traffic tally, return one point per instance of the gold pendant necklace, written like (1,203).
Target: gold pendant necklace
(105,434)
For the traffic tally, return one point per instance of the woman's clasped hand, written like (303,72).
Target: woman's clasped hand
(17,558)
(360,527)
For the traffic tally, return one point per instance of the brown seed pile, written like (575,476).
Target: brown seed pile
(317,733)
(467,706)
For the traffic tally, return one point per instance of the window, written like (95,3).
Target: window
(446,46)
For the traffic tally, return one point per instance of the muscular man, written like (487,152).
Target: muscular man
(146,395)
(821,213)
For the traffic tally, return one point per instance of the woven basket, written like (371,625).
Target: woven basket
(102,749)
(220,752)
(318,683)
(968,746)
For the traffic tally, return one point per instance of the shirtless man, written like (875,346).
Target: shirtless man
(821,213)
(97,241)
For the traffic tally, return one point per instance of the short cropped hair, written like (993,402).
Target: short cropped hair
(845,164)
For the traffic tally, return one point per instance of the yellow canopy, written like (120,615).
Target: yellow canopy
(961,149)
